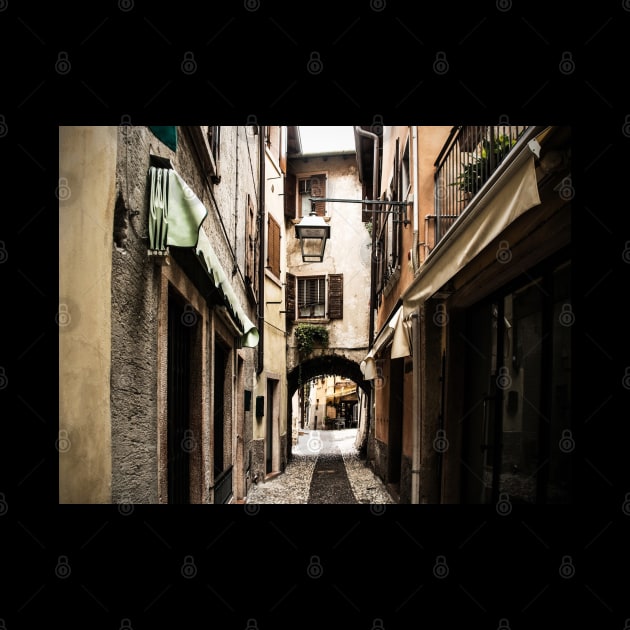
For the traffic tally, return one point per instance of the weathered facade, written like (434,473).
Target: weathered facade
(272,441)
(157,277)
(331,295)
(472,334)
(189,320)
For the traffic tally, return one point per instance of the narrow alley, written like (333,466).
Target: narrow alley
(267,306)
(324,468)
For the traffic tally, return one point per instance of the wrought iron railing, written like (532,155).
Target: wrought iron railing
(223,486)
(466,162)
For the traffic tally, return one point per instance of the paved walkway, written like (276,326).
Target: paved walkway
(325,468)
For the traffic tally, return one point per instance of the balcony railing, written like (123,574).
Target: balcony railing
(466,162)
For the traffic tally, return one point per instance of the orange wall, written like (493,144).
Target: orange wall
(430,142)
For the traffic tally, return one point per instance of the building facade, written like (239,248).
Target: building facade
(327,300)
(272,438)
(190,319)
(162,296)
(471,350)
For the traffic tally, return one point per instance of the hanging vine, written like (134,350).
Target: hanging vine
(307,336)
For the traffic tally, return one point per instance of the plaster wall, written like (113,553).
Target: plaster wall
(348,250)
(87,170)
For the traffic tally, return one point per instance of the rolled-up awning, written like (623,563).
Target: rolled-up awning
(395,331)
(176,216)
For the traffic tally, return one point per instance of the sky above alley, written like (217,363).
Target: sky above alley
(321,139)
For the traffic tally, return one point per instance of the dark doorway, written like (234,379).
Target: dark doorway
(221,355)
(271,413)
(517,439)
(395,422)
(478,419)
(181,324)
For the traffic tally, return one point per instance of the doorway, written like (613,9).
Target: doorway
(516,433)
(181,324)
(271,428)
(394,437)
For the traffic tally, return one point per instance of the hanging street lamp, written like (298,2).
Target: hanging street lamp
(313,232)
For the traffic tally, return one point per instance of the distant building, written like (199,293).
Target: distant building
(328,297)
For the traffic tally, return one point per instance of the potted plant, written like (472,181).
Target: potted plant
(475,172)
(472,176)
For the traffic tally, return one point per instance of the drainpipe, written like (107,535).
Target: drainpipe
(261,266)
(374,137)
(414,151)
(416,410)
(415,336)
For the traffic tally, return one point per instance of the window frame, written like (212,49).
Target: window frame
(333,297)
(301,287)
(320,206)
(207,141)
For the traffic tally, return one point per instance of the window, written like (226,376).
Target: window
(312,186)
(311,297)
(214,135)
(214,138)
(389,226)
(405,182)
(273,246)
(276,142)
(207,141)
(297,193)
(314,297)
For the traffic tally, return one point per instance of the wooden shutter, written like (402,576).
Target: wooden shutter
(318,189)
(273,246)
(290,204)
(335,296)
(289,293)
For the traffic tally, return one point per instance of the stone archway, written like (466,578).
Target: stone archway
(325,364)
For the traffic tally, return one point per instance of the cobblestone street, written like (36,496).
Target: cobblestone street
(325,468)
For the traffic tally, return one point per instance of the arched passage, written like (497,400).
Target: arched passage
(324,365)
(331,364)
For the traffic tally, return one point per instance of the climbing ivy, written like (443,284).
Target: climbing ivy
(307,336)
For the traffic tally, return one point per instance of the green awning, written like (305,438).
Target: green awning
(205,253)
(176,216)
(167,135)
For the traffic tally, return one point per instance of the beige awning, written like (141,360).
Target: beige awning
(395,332)
(474,231)
(401,343)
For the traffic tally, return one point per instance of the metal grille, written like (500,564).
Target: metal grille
(466,162)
